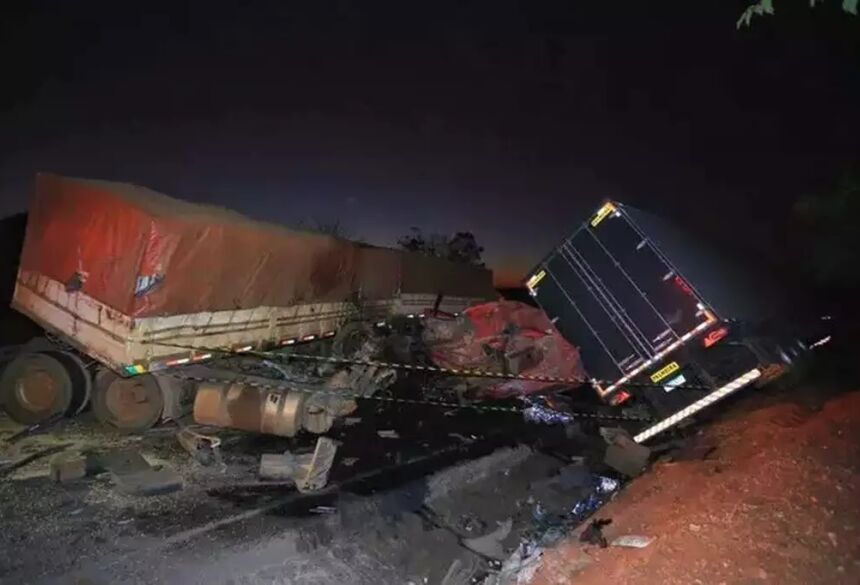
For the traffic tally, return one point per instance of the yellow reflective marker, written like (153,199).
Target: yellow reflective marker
(665,371)
(602,214)
(535,279)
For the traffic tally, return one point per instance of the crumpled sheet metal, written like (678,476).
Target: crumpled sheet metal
(506,337)
(308,471)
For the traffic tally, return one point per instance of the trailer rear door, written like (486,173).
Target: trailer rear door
(667,293)
(615,295)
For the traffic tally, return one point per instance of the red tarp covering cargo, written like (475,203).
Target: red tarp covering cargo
(146,254)
(504,336)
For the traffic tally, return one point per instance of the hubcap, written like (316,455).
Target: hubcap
(36,390)
(129,401)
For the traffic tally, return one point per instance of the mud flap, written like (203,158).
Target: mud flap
(623,454)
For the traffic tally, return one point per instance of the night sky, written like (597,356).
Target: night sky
(509,119)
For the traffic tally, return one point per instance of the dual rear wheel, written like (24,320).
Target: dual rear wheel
(128,404)
(41,385)
(38,386)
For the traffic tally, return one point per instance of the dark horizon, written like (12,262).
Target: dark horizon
(511,121)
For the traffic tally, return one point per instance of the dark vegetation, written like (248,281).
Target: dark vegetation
(460,247)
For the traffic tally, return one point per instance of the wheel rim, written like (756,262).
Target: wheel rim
(36,390)
(129,401)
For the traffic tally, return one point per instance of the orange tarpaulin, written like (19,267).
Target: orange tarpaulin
(146,254)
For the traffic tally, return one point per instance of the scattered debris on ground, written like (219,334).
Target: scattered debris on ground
(149,482)
(623,454)
(312,470)
(203,448)
(118,461)
(512,515)
(593,533)
(425,512)
(490,545)
(767,494)
(632,541)
(68,467)
(308,472)
(277,466)
(14,462)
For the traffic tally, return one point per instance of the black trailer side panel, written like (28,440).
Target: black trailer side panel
(571,324)
(662,288)
(734,292)
(646,325)
(613,293)
(582,319)
(659,322)
(632,299)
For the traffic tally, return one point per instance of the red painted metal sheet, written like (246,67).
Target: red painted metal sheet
(504,336)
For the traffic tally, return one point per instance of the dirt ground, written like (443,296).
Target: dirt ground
(770,493)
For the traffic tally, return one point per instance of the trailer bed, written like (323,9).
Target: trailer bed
(141,281)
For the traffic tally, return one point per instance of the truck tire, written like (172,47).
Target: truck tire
(36,387)
(130,405)
(82,383)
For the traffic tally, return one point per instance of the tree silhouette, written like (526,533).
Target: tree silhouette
(461,247)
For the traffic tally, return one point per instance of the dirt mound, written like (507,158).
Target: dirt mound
(772,499)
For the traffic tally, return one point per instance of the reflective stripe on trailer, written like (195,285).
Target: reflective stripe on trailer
(695,407)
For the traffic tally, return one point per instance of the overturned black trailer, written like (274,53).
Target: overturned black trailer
(661,321)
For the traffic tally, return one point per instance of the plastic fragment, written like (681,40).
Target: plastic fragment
(633,541)
(537,412)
